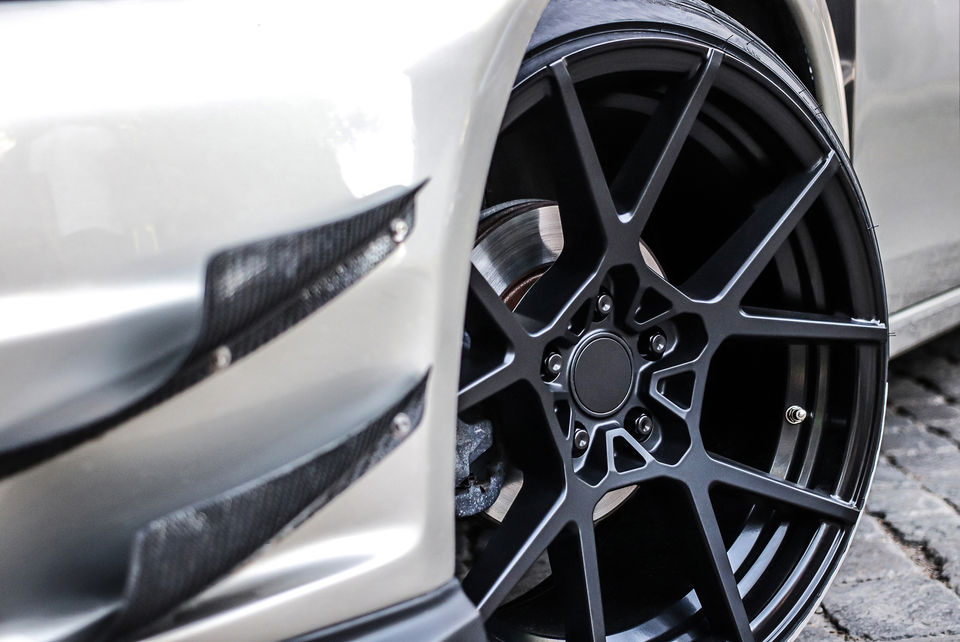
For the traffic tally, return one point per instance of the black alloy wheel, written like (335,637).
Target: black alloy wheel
(676,333)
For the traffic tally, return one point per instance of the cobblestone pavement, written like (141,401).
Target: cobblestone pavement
(901,579)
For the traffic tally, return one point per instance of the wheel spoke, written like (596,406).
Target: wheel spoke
(677,364)
(679,301)
(508,323)
(587,213)
(558,432)
(806,327)
(600,199)
(652,158)
(525,533)
(759,484)
(646,322)
(478,386)
(661,375)
(563,282)
(736,265)
(487,385)
(671,301)
(718,591)
(573,562)
(622,447)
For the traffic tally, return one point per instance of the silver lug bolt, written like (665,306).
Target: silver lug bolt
(581,439)
(399,229)
(604,304)
(553,364)
(658,343)
(643,425)
(401,425)
(796,415)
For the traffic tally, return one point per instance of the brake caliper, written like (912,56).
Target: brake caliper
(479,471)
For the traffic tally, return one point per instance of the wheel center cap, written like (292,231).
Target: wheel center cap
(602,374)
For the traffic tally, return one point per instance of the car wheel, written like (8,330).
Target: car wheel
(674,361)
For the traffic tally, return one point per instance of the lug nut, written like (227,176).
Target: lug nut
(604,304)
(553,364)
(643,425)
(796,415)
(657,343)
(581,439)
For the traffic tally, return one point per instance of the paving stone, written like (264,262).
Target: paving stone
(870,528)
(944,376)
(922,527)
(944,485)
(927,463)
(873,555)
(915,405)
(937,471)
(940,535)
(905,501)
(903,389)
(951,571)
(894,608)
(819,629)
(897,422)
(936,415)
(951,432)
(914,441)
(886,475)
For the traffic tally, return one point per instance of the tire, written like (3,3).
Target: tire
(675,346)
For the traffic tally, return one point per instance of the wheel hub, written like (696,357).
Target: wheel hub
(517,243)
(602,374)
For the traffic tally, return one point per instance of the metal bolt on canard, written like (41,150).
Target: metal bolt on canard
(399,229)
(401,425)
(221,358)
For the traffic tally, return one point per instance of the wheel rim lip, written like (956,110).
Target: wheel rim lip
(840,541)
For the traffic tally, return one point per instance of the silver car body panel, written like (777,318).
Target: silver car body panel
(906,150)
(126,164)
(173,129)
(924,320)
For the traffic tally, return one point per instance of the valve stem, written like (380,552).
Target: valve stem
(796,415)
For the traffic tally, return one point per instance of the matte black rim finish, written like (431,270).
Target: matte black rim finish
(772,296)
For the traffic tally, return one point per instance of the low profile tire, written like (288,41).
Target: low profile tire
(675,349)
